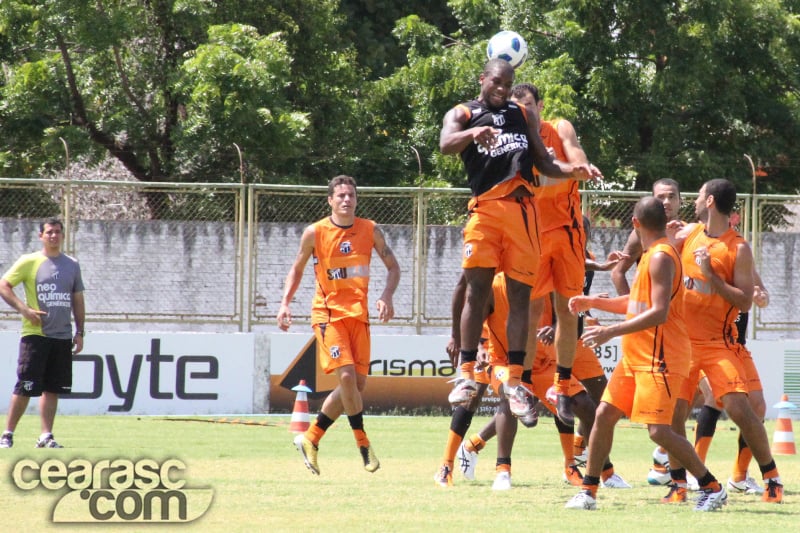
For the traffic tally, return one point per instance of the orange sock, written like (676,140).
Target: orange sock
(607,473)
(771,474)
(561,385)
(453,442)
(468,370)
(566,448)
(592,489)
(701,446)
(743,458)
(502,468)
(314,434)
(361,438)
(475,443)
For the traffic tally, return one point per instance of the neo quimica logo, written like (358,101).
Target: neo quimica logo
(115,490)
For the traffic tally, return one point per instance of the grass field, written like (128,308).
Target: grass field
(260,483)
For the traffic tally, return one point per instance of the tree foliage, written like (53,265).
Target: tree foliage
(306,90)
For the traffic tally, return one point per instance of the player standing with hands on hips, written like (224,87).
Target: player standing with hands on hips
(341,245)
(53,292)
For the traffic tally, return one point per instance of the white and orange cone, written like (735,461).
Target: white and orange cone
(783,439)
(300,419)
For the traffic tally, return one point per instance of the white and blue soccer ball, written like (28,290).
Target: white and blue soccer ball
(508,45)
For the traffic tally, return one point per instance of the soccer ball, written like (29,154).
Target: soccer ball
(508,45)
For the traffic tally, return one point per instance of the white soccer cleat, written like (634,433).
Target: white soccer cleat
(502,481)
(656,477)
(711,501)
(747,486)
(521,401)
(463,391)
(467,461)
(614,481)
(582,501)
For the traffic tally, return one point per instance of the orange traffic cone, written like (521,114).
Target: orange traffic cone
(783,440)
(300,420)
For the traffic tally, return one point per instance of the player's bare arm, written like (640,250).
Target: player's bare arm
(455,136)
(760,293)
(631,252)
(677,232)
(611,261)
(294,277)
(7,293)
(662,272)
(79,314)
(385,304)
(581,303)
(543,159)
(573,149)
(740,294)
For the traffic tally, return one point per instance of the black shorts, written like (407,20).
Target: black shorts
(44,364)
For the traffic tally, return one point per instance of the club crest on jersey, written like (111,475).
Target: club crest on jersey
(346,247)
(499,120)
(335,352)
(467,250)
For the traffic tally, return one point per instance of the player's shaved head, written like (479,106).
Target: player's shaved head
(650,213)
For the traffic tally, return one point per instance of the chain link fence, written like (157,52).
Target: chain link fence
(148,252)
(217,255)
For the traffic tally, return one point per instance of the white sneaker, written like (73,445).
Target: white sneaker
(615,482)
(711,501)
(521,401)
(691,483)
(661,459)
(502,481)
(467,461)
(583,500)
(747,486)
(656,477)
(463,391)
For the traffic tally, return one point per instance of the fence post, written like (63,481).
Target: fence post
(421,260)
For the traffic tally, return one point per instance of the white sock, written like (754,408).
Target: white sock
(44,436)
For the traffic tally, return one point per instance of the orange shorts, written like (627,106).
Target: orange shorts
(561,267)
(586,364)
(343,342)
(753,380)
(644,396)
(723,366)
(503,234)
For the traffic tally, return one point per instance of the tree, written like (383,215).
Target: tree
(167,87)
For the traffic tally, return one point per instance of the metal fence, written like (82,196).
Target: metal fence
(217,254)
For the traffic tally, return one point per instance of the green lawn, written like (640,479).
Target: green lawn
(260,483)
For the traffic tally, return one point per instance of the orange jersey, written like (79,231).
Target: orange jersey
(713,317)
(666,347)
(558,200)
(341,265)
